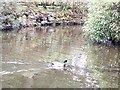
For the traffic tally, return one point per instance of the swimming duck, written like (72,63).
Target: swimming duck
(58,65)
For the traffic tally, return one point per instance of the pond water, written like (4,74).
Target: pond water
(27,53)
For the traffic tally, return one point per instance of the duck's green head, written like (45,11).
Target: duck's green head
(65,61)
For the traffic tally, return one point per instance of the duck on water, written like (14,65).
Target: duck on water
(58,65)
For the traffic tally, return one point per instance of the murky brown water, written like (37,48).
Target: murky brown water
(26,55)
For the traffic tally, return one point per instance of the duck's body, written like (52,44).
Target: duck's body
(58,65)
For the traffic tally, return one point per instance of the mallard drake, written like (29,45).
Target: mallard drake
(58,65)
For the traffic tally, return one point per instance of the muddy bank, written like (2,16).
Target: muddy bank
(25,14)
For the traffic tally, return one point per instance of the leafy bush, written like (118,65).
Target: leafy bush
(103,22)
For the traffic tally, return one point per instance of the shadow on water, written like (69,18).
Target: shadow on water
(26,55)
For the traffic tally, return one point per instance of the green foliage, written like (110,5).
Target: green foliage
(103,23)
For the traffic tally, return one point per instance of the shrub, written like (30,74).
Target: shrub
(103,22)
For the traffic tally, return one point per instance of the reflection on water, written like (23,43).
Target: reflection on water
(26,54)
